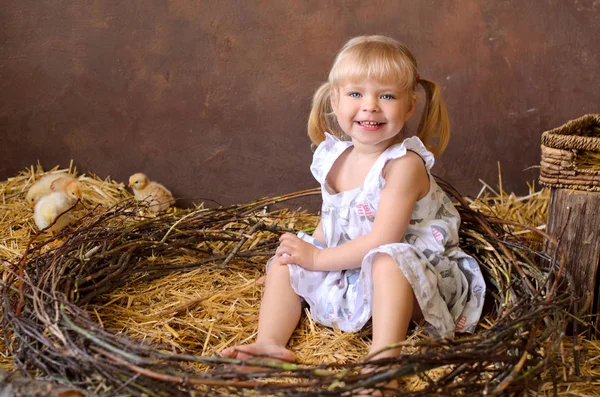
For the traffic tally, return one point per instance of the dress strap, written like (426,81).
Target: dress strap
(326,154)
(412,144)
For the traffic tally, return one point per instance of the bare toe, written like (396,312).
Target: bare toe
(258,352)
(382,389)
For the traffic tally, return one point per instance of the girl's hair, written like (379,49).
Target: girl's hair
(387,61)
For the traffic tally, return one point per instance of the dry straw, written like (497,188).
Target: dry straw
(121,304)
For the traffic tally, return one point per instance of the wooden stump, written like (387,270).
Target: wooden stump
(574,220)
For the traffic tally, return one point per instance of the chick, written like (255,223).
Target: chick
(65,194)
(156,196)
(67,184)
(42,187)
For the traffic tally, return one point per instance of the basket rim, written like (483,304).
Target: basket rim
(563,137)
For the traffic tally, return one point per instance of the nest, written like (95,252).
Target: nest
(58,296)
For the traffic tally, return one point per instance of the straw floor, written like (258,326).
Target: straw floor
(203,311)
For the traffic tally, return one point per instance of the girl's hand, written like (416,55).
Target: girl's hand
(298,252)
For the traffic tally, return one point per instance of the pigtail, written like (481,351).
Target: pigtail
(321,117)
(434,128)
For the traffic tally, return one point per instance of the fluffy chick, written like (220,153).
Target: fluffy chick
(65,194)
(156,196)
(43,187)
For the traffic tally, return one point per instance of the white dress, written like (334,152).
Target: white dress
(447,283)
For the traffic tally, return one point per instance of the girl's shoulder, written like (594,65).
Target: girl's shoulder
(408,173)
(403,164)
(412,144)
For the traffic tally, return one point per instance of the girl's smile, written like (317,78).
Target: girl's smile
(370,112)
(369,125)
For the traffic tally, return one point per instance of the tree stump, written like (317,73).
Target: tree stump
(570,166)
(574,220)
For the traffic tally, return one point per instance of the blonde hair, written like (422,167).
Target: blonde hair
(387,61)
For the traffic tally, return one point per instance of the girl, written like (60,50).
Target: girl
(386,247)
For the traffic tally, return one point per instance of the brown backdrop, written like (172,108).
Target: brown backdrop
(211,97)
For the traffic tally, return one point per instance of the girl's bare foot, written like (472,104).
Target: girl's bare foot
(381,390)
(258,352)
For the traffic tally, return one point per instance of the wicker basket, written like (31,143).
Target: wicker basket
(571,155)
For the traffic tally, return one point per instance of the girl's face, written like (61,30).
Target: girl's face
(372,113)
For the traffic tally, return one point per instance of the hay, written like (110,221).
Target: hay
(526,212)
(187,287)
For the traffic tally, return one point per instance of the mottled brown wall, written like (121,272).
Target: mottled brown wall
(211,97)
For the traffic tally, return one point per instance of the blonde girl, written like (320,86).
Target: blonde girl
(386,247)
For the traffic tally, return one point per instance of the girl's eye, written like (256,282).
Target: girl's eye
(387,96)
(354,95)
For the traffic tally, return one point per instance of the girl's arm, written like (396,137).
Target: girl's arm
(406,182)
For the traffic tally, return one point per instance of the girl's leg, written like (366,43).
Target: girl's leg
(394,305)
(280,311)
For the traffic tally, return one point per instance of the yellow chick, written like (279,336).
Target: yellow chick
(42,187)
(67,184)
(65,194)
(156,196)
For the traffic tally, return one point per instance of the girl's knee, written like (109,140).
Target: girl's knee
(278,272)
(385,269)
(387,276)
(384,264)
